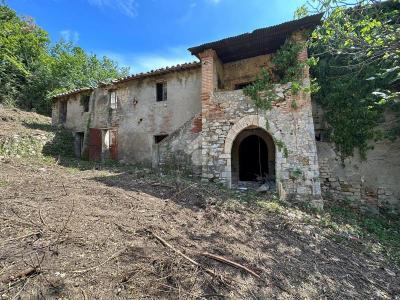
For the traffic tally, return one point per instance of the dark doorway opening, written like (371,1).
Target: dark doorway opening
(79,139)
(253,159)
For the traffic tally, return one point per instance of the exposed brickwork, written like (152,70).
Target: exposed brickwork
(197,124)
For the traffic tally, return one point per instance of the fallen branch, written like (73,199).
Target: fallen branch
(23,274)
(193,262)
(231,263)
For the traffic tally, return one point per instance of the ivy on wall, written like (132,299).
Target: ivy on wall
(286,68)
(358,71)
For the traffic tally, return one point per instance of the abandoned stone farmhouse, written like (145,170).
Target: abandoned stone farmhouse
(195,117)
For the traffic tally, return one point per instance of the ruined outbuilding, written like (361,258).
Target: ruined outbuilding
(196,118)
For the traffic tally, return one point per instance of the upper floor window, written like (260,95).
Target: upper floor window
(161,88)
(63,105)
(113,100)
(85,102)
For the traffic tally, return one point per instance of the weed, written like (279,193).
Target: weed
(3,183)
(384,231)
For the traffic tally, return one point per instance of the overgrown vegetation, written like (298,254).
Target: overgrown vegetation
(286,68)
(32,70)
(382,231)
(358,71)
(379,234)
(354,58)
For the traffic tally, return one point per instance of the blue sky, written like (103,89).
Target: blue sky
(148,34)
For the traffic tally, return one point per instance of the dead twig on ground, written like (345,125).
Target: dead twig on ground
(27,221)
(41,218)
(68,219)
(21,237)
(181,191)
(19,292)
(22,274)
(231,263)
(193,262)
(65,190)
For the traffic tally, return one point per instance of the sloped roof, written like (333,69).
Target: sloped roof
(179,67)
(258,42)
(73,92)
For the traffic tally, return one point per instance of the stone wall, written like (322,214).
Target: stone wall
(371,184)
(225,114)
(292,127)
(182,149)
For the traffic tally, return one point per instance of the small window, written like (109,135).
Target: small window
(161,88)
(63,111)
(159,138)
(113,100)
(85,102)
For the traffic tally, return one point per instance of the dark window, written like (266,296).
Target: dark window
(113,100)
(63,111)
(159,138)
(240,86)
(85,102)
(161,88)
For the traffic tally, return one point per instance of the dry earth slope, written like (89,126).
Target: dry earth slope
(74,230)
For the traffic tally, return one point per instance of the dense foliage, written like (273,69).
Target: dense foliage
(32,70)
(358,46)
(355,63)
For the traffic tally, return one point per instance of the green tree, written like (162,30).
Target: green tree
(70,67)
(23,46)
(31,71)
(358,46)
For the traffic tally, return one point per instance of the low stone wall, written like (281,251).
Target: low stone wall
(371,185)
(297,171)
(181,150)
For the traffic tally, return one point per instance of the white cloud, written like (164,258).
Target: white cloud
(215,1)
(143,62)
(70,35)
(127,7)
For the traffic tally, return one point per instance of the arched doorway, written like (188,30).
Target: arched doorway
(253,157)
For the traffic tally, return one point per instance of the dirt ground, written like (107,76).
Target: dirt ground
(89,232)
